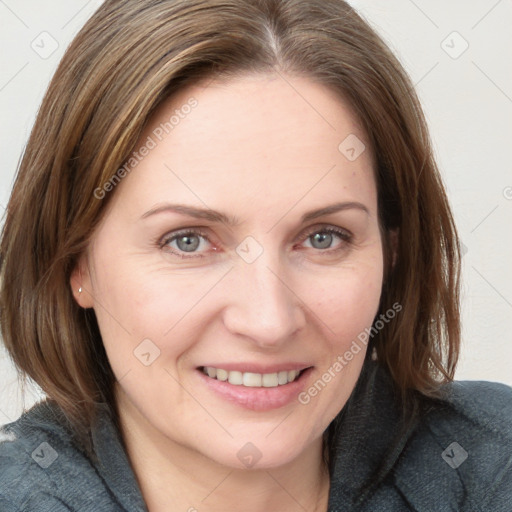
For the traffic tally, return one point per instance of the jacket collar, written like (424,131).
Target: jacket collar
(368,437)
(113,464)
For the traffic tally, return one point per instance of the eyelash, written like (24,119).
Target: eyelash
(161,243)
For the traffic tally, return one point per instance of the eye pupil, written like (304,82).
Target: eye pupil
(325,240)
(189,246)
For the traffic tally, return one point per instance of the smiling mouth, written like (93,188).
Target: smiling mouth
(253,380)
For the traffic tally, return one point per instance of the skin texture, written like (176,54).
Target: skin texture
(265,153)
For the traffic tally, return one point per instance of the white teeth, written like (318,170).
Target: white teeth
(222,374)
(292,374)
(270,380)
(282,377)
(235,378)
(252,380)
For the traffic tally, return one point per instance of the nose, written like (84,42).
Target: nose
(262,304)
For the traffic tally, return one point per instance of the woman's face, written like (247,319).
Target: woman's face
(247,278)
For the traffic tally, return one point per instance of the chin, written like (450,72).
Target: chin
(260,451)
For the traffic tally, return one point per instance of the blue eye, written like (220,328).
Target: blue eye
(190,243)
(326,236)
(186,242)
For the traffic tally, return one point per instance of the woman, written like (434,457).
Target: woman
(239,273)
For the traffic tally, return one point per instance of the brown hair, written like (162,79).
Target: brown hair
(126,60)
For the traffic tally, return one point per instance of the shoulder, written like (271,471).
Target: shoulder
(462,449)
(487,404)
(40,466)
(478,411)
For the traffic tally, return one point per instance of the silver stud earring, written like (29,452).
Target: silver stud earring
(80,290)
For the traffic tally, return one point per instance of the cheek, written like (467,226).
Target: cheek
(348,302)
(136,303)
(347,307)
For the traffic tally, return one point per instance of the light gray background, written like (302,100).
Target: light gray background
(467,97)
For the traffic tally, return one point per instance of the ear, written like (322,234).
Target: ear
(80,282)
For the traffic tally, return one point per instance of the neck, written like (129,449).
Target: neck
(172,476)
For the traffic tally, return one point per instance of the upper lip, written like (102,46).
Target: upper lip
(258,368)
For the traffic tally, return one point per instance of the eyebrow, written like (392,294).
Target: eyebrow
(216,216)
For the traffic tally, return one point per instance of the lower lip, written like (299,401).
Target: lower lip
(257,399)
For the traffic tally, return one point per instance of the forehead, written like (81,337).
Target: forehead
(270,139)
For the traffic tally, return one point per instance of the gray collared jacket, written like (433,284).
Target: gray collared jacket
(453,454)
